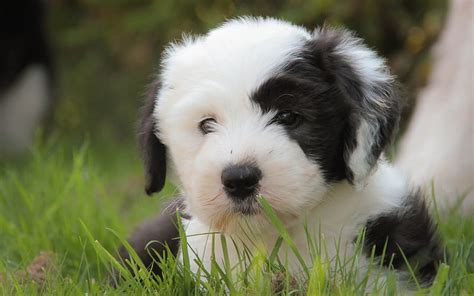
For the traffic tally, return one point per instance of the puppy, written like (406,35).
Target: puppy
(259,106)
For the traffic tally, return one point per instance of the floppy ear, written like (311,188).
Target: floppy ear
(369,90)
(153,151)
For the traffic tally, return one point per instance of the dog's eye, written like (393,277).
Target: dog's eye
(286,118)
(207,125)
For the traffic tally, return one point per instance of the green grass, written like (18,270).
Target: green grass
(80,202)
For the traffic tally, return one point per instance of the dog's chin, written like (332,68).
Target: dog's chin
(229,219)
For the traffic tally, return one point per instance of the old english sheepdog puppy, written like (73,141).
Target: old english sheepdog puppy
(261,107)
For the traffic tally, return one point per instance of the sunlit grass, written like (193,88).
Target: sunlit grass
(80,205)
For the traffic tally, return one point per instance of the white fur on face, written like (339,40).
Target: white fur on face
(214,76)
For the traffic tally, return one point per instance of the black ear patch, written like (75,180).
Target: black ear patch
(365,83)
(348,100)
(153,151)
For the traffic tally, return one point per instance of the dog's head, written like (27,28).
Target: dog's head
(260,106)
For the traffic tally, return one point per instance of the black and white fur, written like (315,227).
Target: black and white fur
(308,115)
(26,72)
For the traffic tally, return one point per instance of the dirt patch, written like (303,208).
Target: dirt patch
(37,271)
(41,265)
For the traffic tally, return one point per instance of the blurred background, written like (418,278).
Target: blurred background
(104,52)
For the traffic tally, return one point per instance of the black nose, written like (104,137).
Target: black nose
(241,181)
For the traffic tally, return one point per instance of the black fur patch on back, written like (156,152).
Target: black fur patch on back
(408,229)
(152,238)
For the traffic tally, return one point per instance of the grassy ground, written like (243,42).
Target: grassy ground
(63,209)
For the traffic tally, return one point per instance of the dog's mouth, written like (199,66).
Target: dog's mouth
(248,210)
(248,207)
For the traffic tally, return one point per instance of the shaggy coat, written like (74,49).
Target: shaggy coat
(261,107)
